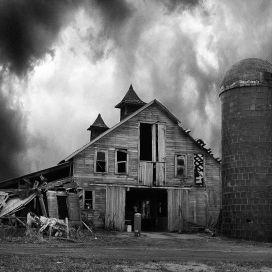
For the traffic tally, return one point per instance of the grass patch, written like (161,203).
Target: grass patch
(52,264)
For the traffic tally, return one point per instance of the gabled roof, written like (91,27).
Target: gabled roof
(171,116)
(99,122)
(168,113)
(130,98)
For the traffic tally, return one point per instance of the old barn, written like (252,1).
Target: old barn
(146,163)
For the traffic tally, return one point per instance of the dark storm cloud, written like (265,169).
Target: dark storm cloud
(114,12)
(27,30)
(12,137)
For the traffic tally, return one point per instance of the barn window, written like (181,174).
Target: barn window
(121,158)
(101,162)
(88,199)
(199,169)
(180,163)
(146,142)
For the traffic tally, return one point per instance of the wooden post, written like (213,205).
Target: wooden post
(42,205)
(50,232)
(67,226)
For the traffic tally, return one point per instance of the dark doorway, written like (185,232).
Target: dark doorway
(145,142)
(152,204)
(62,207)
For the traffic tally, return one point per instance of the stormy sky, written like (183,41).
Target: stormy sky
(62,62)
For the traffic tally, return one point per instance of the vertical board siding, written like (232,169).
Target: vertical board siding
(115,207)
(161,142)
(127,136)
(177,209)
(146,173)
(160,173)
(186,206)
(203,205)
(97,215)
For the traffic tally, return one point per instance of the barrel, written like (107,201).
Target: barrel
(52,204)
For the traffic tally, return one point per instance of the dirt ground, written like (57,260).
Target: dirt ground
(124,252)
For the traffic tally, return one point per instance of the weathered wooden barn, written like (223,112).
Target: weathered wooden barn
(146,163)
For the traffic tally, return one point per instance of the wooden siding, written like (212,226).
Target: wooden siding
(187,207)
(96,216)
(115,207)
(127,136)
(177,209)
(177,142)
(146,174)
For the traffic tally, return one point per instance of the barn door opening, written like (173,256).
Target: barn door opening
(151,203)
(152,154)
(62,206)
(152,142)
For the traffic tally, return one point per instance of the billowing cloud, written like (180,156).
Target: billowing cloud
(75,59)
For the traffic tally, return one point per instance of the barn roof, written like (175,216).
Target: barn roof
(99,122)
(200,143)
(130,98)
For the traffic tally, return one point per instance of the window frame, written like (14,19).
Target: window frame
(106,161)
(84,199)
(116,162)
(176,165)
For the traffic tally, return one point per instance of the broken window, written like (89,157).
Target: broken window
(121,161)
(88,199)
(199,169)
(101,162)
(180,166)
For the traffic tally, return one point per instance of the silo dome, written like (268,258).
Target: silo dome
(247,72)
(246,99)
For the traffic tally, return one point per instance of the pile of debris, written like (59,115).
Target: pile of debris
(51,207)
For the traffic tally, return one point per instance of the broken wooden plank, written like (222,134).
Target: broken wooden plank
(42,205)
(87,227)
(20,221)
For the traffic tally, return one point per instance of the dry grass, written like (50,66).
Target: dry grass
(52,264)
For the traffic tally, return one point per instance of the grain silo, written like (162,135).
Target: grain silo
(246,96)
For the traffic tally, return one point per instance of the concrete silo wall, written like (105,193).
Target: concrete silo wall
(247,162)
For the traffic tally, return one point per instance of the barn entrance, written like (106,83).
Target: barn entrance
(151,203)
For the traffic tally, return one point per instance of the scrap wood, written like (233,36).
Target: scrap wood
(43,222)
(87,226)
(20,221)
(89,229)
(42,205)
(3,198)
(54,223)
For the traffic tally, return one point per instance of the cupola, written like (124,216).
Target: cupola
(129,104)
(97,127)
